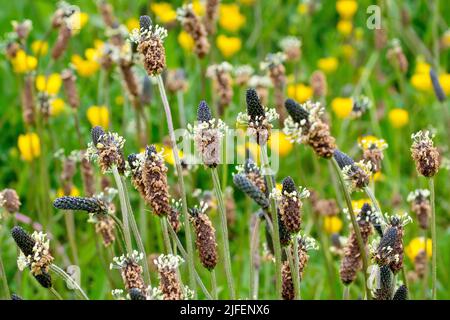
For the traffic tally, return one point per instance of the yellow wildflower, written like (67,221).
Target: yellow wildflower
(50,84)
(345,27)
(98,116)
(346,8)
(279,186)
(89,66)
(328,65)
(198,7)
(39,47)
(29,146)
(23,63)
(357,204)
(167,153)
(299,92)
(56,106)
(342,107)
(444,80)
(303,8)
(398,117)
(186,41)
(132,23)
(332,224)
(230,18)
(228,46)
(279,141)
(421,81)
(367,142)
(416,245)
(80,19)
(164,11)
(74,192)
(348,51)
(377,176)
(422,67)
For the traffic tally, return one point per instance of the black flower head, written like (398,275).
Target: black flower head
(384,292)
(203,112)
(401,293)
(342,159)
(96,133)
(250,165)
(438,91)
(132,160)
(150,151)
(44,279)
(366,212)
(246,186)
(145,23)
(288,185)
(23,240)
(91,205)
(254,108)
(136,294)
(296,111)
(389,238)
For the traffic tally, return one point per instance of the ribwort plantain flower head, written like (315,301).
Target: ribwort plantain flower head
(251,190)
(10,200)
(356,174)
(91,205)
(420,205)
(425,154)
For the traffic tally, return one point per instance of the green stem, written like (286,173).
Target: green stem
(297,270)
(254,269)
(4,279)
(70,226)
(355,225)
(224,232)
(276,230)
(294,272)
(433,239)
(165,233)
(120,228)
(61,273)
(214,284)
(346,295)
(56,294)
(189,246)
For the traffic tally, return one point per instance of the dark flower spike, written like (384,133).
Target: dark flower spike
(246,186)
(145,23)
(366,212)
(136,294)
(150,151)
(389,238)
(44,279)
(131,160)
(250,166)
(194,212)
(203,112)
(296,111)
(91,205)
(342,159)
(96,133)
(23,240)
(438,91)
(288,185)
(385,291)
(401,293)
(254,108)
(15,297)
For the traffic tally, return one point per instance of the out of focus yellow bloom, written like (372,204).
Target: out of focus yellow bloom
(357,204)
(198,7)
(230,18)
(422,67)
(29,146)
(368,141)
(228,46)
(346,8)
(445,39)
(342,107)
(85,67)
(98,116)
(132,23)
(417,245)
(398,117)
(303,8)
(186,41)
(332,224)
(74,192)
(164,11)
(39,47)
(377,176)
(23,63)
(422,82)
(444,80)
(299,92)
(50,84)
(80,19)
(279,186)
(348,51)
(279,141)
(345,27)
(56,106)
(328,65)
(167,153)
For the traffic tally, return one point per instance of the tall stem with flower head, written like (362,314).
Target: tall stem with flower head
(433,239)
(61,273)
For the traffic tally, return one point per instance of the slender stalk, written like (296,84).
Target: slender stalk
(120,228)
(214,284)
(182,115)
(224,232)
(374,201)
(61,273)
(355,225)
(124,209)
(346,295)
(254,270)
(189,246)
(165,233)
(276,230)
(297,270)
(433,239)
(4,279)
(70,226)
(293,269)
(55,293)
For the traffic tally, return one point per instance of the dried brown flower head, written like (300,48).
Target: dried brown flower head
(176,80)
(396,57)
(425,154)
(61,42)
(421,206)
(10,200)
(107,148)
(87,173)
(28,106)
(221,76)
(211,13)
(318,82)
(277,73)
(130,270)
(105,226)
(70,88)
(191,24)
(205,238)
(169,284)
(291,205)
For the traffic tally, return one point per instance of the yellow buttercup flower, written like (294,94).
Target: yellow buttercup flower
(416,245)
(357,204)
(198,7)
(279,141)
(50,84)
(346,8)
(299,92)
(444,80)
(167,153)
(303,8)
(345,27)
(230,18)
(186,41)
(328,65)
(348,51)
(377,176)
(422,82)
(332,224)
(368,142)
(228,46)
(164,11)
(279,186)
(398,117)
(86,67)
(23,63)
(56,106)
(39,47)
(74,192)
(132,23)
(342,107)
(422,67)
(29,146)
(80,19)
(98,116)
